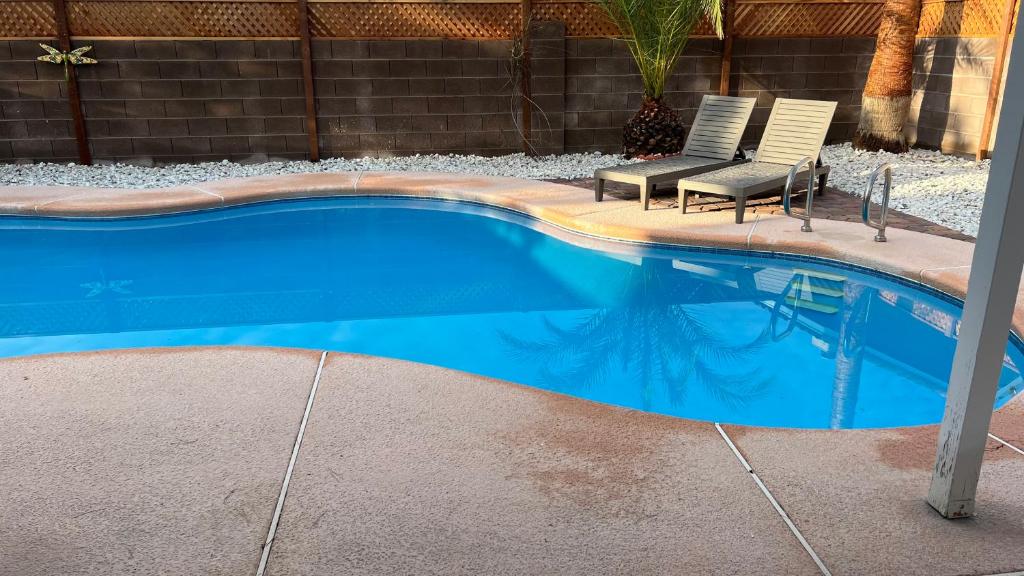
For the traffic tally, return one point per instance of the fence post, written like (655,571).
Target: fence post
(307,76)
(60,14)
(727,33)
(996,82)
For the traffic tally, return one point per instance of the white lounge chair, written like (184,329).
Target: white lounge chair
(796,130)
(713,143)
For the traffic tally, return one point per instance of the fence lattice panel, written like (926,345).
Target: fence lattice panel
(460,18)
(413,20)
(27,20)
(961,18)
(183,19)
(808,18)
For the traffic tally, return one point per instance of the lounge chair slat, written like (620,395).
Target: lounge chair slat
(711,147)
(721,126)
(707,145)
(726,115)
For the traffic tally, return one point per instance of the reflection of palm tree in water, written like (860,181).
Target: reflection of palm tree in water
(850,354)
(656,341)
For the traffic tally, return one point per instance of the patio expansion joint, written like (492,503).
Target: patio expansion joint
(272,531)
(750,234)
(1008,445)
(355,185)
(775,503)
(204,191)
(942,268)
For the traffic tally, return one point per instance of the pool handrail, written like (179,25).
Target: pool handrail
(788,192)
(865,213)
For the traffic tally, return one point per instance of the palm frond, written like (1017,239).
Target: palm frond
(656,33)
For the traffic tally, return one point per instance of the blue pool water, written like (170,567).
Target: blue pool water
(734,337)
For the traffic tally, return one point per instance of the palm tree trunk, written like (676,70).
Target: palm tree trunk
(886,101)
(849,355)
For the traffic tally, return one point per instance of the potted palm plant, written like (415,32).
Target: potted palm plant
(656,32)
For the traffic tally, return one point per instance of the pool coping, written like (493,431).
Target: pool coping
(942,263)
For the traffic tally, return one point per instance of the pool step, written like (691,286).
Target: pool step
(811,305)
(818,291)
(805,285)
(818,274)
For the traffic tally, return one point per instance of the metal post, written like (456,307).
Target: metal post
(60,14)
(307,77)
(992,292)
(730,16)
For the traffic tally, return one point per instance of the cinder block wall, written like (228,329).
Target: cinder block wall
(951,83)
(168,101)
(176,100)
(187,101)
(408,96)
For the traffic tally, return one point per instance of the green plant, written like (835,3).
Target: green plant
(656,32)
(73,58)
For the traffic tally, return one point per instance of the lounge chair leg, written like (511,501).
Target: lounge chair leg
(822,180)
(645,193)
(599,189)
(684,199)
(741,205)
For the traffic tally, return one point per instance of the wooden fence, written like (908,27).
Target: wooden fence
(456,18)
(307,20)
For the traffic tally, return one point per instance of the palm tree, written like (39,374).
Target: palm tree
(886,100)
(657,343)
(656,32)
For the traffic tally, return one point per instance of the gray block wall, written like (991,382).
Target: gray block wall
(160,101)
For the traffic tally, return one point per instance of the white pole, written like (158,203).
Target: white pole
(991,295)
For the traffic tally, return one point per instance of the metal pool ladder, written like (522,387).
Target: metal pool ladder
(811,178)
(865,211)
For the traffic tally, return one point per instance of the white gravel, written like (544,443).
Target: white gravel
(566,166)
(944,189)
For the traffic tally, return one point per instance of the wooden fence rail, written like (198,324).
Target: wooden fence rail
(456,18)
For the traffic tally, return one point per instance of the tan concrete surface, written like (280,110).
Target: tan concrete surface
(413,469)
(906,253)
(858,496)
(1008,422)
(108,202)
(145,462)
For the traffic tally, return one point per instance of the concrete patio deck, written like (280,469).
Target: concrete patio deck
(171,461)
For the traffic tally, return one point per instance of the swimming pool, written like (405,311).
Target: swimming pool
(726,336)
